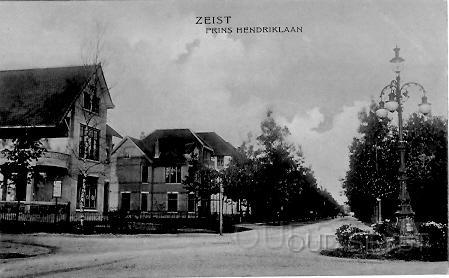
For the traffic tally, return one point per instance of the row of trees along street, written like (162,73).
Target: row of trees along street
(270,176)
(374,163)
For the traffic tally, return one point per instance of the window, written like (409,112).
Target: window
(144,173)
(87,104)
(90,101)
(191,202)
(144,202)
(90,195)
(220,161)
(173,174)
(89,142)
(126,201)
(172,201)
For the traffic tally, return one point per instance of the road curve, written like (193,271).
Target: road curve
(265,250)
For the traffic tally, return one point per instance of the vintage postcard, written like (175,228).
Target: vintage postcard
(223,138)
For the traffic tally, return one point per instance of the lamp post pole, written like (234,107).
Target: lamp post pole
(405,214)
(407,228)
(379,210)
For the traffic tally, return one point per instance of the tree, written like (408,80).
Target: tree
(20,157)
(91,153)
(277,174)
(201,180)
(426,159)
(274,179)
(239,178)
(374,163)
(373,166)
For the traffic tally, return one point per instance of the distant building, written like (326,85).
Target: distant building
(66,107)
(147,174)
(223,150)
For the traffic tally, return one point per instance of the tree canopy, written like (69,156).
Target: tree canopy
(19,165)
(273,178)
(374,163)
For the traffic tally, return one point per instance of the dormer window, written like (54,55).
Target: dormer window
(220,161)
(91,101)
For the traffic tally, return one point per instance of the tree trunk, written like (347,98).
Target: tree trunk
(82,200)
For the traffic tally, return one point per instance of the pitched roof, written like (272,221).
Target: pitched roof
(41,97)
(218,144)
(137,142)
(173,144)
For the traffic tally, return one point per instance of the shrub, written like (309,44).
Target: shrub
(344,232)
(386,228)
(366,241)
(434,234)
(117,221)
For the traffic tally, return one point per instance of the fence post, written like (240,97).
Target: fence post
(18,210)
(56,210)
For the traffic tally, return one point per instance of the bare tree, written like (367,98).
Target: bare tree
(92,150)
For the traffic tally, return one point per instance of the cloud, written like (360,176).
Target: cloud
(204,82)
(189,49)
(327,152)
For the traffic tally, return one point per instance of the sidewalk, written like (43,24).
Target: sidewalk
(11,249)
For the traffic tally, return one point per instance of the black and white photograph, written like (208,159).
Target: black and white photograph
(225,138)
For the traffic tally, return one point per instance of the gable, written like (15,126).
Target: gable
(42,97)
(128,148)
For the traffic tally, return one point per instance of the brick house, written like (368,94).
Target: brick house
(146,174)
(67,108)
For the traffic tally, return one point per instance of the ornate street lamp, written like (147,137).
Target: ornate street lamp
(396,93)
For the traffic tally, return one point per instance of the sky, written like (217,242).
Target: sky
(165,71)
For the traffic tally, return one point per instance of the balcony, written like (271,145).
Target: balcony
(54,159)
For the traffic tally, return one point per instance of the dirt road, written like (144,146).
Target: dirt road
(265,250)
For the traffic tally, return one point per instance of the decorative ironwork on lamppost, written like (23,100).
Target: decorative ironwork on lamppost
(397,93)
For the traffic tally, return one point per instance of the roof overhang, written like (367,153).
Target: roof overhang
(44,131)
(204,144)
(110,131)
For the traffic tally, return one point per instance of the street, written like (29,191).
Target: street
(265,250)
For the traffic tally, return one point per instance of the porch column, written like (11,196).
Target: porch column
(3,186)
(30,189)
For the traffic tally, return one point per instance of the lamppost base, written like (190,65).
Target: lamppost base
(410,240)
(408,233)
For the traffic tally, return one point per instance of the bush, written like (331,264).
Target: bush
(434,234)
(117,221)
(366,241)
(357,243)
(386,228)
(344,232)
